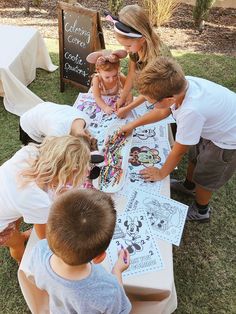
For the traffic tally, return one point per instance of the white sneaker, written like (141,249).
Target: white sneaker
(194,215)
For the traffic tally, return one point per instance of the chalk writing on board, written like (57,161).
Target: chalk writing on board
(80,33)
(77,37)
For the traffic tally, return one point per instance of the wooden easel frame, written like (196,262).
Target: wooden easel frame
(96,44)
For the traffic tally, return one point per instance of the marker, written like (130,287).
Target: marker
(125,257)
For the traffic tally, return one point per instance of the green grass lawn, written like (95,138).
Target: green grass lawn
(204,264)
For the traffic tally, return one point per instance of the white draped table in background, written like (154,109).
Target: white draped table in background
(22,51)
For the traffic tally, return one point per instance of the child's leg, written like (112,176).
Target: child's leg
(16,243)
(203,196)
(186,186)
(213,169)
(16,246)
(190,170)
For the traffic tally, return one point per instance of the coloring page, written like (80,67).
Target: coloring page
(134,180)
(166,216)
(86,103)
(151,132)
(143,155)
(133,233)
(145,108)
(100,121)
(148,154)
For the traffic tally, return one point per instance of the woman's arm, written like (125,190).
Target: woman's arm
(98,98)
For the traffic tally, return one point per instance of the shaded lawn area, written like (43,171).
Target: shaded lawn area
(204,264)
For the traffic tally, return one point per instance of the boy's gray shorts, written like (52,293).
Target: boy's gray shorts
(214,165)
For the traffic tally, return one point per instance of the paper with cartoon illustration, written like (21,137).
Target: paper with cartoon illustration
(133,233)
(147,107)
(148,154)
(100,121)
(151,132)
(142,155)
(166,216)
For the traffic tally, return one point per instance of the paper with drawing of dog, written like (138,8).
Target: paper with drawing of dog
(132,231)
(166,216)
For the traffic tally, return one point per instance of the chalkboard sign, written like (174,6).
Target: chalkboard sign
(80,33)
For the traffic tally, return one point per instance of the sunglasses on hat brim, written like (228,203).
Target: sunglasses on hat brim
(121,26)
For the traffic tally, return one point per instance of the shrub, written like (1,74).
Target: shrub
(160,11)
(201,11)
(115,6)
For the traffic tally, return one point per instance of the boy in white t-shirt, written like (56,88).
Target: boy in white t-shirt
(205,114)
(50,119)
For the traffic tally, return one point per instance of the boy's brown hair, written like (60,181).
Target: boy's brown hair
(80,225)
(161,78)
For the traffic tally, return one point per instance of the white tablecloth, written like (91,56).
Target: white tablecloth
(150,293)
(22,51)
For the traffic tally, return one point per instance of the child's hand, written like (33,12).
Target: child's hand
(122,112)
(123,261)
(120,103)
(151,174)
(108,110)
(125,130)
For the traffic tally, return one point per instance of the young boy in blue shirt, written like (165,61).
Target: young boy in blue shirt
(205,114)
(66,265)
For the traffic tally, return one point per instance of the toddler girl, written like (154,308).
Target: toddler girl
(135,33)
(28,180)
(108,81)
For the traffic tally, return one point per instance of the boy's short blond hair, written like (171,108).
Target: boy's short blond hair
(161,78)
(80,225)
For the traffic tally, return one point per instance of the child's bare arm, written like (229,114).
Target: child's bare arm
(123,111)
(173,159)
(78,127)
(98,98)
(150,117)
(121,264)
(40,230)
(128,85)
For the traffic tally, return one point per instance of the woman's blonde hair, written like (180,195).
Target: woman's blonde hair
(136,17)
(57,160)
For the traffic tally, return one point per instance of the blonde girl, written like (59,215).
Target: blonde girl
(134,32)
(30,178)
(108,80)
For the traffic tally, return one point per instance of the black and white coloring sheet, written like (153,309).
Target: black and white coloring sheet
(147,107)
(151,132)
(132,232)
(100,121)
(166,216)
